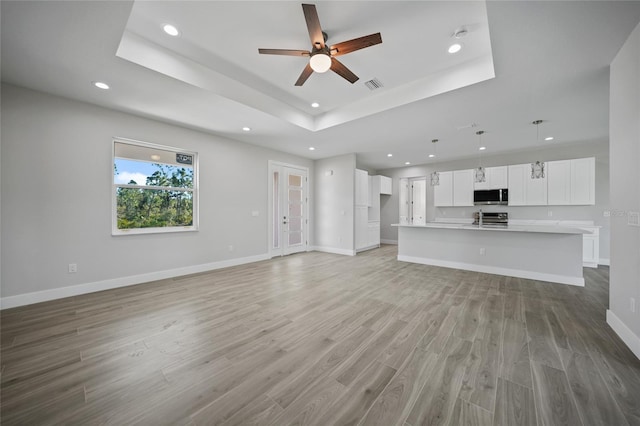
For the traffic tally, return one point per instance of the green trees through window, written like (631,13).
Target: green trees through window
(152,194)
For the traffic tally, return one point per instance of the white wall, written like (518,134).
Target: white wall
(624,131)
(599,150)
(56,199)
(334,204)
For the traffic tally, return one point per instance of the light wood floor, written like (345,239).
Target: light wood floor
(322,339)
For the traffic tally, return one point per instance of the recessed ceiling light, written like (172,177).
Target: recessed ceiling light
(389,155)
(482,148)
(431,155)
(315,105)
(407,163)
(311,148)
(171,30)
(455,48)
(246,129)
(155,157)
(101,85)
(548,138)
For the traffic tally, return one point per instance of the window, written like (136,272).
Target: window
(154,188)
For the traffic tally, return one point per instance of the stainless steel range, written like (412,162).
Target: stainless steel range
(491,218)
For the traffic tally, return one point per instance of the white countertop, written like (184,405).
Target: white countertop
(546,229)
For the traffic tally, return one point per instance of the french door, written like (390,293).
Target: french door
(289,209)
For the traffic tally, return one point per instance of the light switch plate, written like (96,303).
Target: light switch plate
(633,219)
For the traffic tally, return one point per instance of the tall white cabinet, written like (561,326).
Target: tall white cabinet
(367,208)
(361,208)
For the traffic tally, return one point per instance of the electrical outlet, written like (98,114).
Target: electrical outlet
(482,251)
(73,268)
(632,304)
(550,213)
(633,219)
(230,248)
(255,213)
(607,213)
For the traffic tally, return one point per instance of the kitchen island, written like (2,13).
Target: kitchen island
(544,253)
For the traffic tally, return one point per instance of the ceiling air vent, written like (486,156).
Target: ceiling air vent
(373,84)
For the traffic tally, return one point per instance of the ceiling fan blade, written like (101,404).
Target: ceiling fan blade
(313,25)
(342,71)
(287,52)
(355,44)
(306,72)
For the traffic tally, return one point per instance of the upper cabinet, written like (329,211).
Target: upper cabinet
(362,188)
(495,178)
(454,189)
(572,182)
(463,187)
(524,190)
(583,181)
(385,185)
(443,191)
(559,184)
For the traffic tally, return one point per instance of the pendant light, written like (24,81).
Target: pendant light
(537,168)
(479,174)
(435,176)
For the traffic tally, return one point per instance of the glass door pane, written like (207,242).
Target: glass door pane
(277,229)
(295,209)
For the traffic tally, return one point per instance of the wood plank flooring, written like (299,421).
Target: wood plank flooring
(321,339)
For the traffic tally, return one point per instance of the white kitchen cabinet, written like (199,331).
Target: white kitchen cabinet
(517,175)
(362,227)
(559,182)
(591,247)
(523,190)
(498,177)
(583,182)
(571,182)
(463,187)
(373,234)
(362,188)
(495,178)
(370,194)
(374,208)
(386,184)
(443,192)
(536,190)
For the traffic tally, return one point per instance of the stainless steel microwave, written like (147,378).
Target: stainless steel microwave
(491,196)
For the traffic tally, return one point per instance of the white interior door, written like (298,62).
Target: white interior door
(289,218)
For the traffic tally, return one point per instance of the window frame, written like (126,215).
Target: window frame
(115,231)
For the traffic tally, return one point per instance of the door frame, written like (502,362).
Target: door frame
(273,165)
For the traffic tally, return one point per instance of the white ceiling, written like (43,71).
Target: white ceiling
(550,61)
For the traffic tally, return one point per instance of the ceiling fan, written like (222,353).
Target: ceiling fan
(322,57)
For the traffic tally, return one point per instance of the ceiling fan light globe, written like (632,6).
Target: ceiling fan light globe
(320,62)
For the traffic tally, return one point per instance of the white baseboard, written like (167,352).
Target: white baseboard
(539,276)
(625,333)
(334,250)
(59,293)
(394,242)
(605,262)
